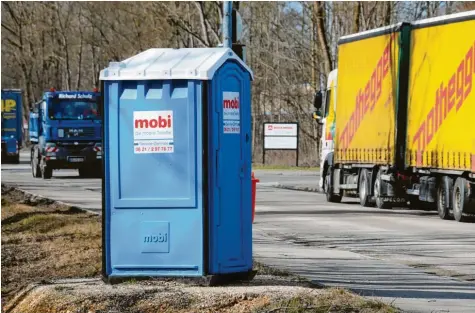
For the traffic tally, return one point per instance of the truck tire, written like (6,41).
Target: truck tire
(460,200)
(35,166)
(47,172)
(380,203)
(329,189)
(443,197)
(363,188)
(98,171)
(85,172)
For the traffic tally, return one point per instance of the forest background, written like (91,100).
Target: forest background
(290,46)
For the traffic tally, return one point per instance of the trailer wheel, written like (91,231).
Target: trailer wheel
(460,200)
(35,166)
(380,203)
(329,190)
(363,189)
(443,197)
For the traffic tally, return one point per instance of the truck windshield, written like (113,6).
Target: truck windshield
(73,110)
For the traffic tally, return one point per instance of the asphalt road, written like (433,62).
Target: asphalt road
(411,258)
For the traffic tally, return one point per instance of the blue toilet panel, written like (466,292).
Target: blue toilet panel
(154,178)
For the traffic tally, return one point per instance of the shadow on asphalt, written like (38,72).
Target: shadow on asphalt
(74,177)
(340,211)
(387,281)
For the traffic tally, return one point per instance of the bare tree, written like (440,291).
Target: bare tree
(291,46)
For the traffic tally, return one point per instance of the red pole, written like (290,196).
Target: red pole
(254,186)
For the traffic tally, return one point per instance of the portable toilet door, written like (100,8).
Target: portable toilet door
(230,160)
(166,187)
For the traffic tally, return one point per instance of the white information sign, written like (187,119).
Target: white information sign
(280,143)
(153,132)
(231,114)
(281,130)
(281,136)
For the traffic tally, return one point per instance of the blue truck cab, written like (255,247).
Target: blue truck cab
(65,130)
(12,122)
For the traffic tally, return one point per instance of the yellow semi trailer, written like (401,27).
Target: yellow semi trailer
(399,117)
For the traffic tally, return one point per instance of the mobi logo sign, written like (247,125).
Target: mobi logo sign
(449,97)
(153,125)
(367,96)
(231,105)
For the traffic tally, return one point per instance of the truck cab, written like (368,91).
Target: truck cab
(325,114)
(65,130)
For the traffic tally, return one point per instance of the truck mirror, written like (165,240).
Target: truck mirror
(317,100)
(318,116)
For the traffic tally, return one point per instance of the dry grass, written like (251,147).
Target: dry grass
(334,300)
(264,294)
(43,242)
(46,242)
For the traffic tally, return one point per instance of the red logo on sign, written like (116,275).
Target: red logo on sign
(159,122)
(231,104)
(269,127)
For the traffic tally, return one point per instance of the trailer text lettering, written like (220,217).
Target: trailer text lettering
(368,96)
(447,97)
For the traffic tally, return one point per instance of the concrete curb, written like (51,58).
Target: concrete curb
(298,188)
(31,197)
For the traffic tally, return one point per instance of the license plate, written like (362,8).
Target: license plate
(76,159)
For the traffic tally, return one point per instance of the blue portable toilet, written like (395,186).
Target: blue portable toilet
(177,164)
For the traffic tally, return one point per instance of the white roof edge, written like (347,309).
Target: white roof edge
(204,69)
(444,17)
(418,23)
(368,32)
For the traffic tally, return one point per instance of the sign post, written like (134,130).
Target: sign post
(281,136)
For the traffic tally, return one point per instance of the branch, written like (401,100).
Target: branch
(200,6)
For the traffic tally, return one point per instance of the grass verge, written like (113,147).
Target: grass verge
(335,300)
(43,242)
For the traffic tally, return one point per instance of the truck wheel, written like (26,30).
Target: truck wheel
(84,172)
(329,190)
(47,172)
(380,203)
(363,189)
(460,200)
(98,171)
(35,166)
(443,197)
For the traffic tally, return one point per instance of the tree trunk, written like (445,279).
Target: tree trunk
(356,17)
(319,16)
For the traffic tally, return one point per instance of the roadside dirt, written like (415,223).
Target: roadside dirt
(43,240)
(51,263)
